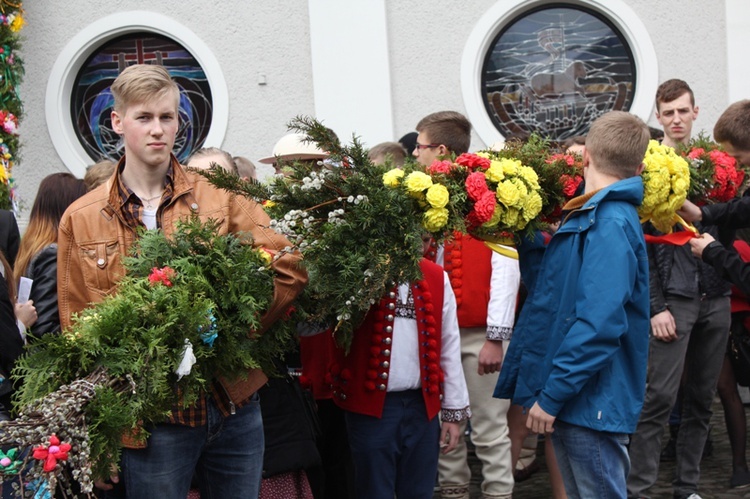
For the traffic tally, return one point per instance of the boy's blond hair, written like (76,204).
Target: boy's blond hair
(617,142)
(142,83)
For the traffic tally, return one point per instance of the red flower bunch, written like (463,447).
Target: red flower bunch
(55,451)
(163,275)
(476,185)
(715,176)
(567,171)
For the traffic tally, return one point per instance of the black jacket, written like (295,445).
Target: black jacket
(9,236)
(43,270)
(729,265)
(661,259)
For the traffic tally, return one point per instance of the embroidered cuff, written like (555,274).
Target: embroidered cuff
(499,332)
(455,415)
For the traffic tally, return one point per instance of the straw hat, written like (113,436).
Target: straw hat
(294,147)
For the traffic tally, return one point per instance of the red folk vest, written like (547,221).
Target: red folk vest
(360,379)
(468,263)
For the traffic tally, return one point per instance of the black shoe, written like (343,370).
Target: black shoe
(740,479)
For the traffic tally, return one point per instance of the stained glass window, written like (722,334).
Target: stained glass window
(92,101)
(554,70)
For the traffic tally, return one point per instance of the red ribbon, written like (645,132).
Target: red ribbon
(675,238)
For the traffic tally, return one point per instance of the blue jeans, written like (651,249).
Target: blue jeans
(593,463)
(226,455)
(396,454)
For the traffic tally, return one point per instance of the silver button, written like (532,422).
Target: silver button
(384,364)
(100,261)
(388,329)
(391,306)
(381,387)
(383,375)
(387,341)
(343,396)
(194,206)
(386,352)
(389,318)
(391,295)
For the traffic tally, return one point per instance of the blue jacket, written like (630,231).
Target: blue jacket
(580,347)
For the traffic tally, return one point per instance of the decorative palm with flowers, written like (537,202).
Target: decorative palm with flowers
(715,176)
(183,315)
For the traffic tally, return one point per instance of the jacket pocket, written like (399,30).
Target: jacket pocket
(101,267)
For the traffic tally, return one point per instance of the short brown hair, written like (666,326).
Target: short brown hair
(214,151)
(448,128)
(733,125)
(245,167)
(143,82)
(98,173)
(576,140)
(671,90)
(385,150)
(617,143)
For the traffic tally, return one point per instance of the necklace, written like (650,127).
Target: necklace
(147,202)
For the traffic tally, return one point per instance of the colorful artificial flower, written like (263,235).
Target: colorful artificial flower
(8,462)
(476,185)
(434,219)
(265,255)
(163,275)
(50,454)
(473,161)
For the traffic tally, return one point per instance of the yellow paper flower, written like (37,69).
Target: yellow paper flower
(417,182)
(530,176)
(435,219)
(265,256)
(510,166)
(17,23)
(483,154)
(507,193)
(437,196)
(532,206)
(392,178)
(495,172)
(496,216)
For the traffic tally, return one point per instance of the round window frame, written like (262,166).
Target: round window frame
(86,42)
(503,12)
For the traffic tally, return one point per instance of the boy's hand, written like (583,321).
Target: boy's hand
(698,244)
(539,421)
(108,484)
(690,212)
(449,435)
(663,326)
(490,357)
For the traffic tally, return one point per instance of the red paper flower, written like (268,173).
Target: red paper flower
(55,451)
(485,207)
(162,275)
(472,161)
(476,185)
(570,184)
(569,159)
(438,166)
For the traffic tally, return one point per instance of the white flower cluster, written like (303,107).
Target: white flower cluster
(356,200)
(335,216)
(293,219)
(314,181)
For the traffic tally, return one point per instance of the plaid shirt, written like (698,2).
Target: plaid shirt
(131,208)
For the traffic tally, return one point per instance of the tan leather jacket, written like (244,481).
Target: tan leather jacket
(93,237)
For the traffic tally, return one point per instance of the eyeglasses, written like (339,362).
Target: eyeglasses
(419,146)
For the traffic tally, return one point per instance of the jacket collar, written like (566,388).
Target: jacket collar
(179,179)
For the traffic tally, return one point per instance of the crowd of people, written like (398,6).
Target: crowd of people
(590,337)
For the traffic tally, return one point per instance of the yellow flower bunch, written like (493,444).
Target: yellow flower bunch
(417,182)
(666,179)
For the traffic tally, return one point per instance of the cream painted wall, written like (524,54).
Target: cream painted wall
(425,39)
